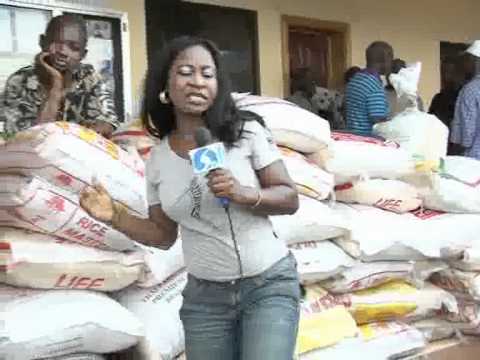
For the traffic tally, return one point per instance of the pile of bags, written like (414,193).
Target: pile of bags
(385,240)
(73,288)
(388,256)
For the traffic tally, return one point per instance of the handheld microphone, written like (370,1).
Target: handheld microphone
(208,156)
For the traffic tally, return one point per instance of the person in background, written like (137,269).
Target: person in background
(396,104)
(58,87)
(338,108)
(350,73)
(443,103)
(465,127)
(365,99)
(303,89)
(241,301)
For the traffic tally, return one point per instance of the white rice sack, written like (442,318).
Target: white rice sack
(40,261)
(158,308)
(423,135)
(382,235)
(311,180)
(320,260)
(435,329)
(291,125)
(366,275)
(469,260)
(378,341)
(467,319)
(405,82)
(78,357)
(456,187)
(397,300)
(38,323)
(462,282)
(314,221)
(32,203)
(391,195)
(352,156)
(161,264)
(134,135)
(71,156)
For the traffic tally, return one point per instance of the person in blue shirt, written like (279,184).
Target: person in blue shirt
(465,127)
(365,99)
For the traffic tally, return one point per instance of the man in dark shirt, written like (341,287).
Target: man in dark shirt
(443,103)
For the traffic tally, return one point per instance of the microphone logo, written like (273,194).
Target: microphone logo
(208,158)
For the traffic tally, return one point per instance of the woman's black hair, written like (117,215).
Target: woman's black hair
(223,119)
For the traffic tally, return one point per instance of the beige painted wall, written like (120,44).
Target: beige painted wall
(413,27)
(135,10)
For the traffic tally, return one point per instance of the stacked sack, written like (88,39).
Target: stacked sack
(455,189)
(451,193)
(375,265)
(333,320)
(134,135)
(365,261)
(57,264)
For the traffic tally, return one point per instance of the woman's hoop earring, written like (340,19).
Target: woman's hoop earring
(163,97)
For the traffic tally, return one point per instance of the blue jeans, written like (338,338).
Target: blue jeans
(250,319)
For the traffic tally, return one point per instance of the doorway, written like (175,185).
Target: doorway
(321,46)
(452,53)
(233,30)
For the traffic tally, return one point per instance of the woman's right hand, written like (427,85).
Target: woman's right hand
(97,202)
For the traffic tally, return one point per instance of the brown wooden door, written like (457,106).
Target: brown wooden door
(308,49)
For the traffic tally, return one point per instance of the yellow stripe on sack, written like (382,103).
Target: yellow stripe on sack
(364,310)
(398,286)
(63,125)
(87,135)
(112,149)
(324,329)
(427,165)
(380,329)
(365,313)
(307,191)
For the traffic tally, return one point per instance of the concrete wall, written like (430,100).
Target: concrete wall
(414,28)
(135,10)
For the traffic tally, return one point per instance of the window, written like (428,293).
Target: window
(20,29)
(22,22)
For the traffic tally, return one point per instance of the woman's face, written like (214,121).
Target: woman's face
(192,84)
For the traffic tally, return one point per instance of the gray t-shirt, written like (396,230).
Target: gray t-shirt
(207,243)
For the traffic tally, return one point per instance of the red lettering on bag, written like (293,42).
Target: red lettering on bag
(75,282)
(56,203)
(65,179)
(94,227)
(97,283)
(425,214)
(83,238)
(83,222)
(388,204)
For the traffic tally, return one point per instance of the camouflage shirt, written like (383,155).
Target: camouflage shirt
(87,101)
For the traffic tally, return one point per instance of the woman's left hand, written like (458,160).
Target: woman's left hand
(224,185)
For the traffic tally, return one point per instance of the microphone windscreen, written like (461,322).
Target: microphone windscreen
(203,136)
